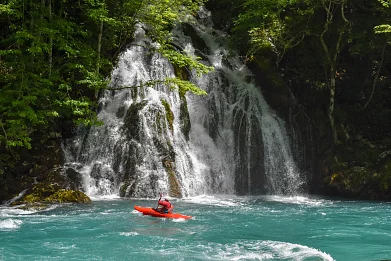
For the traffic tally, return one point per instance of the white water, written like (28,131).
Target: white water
(230,130)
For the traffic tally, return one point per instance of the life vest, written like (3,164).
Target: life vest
(165,204)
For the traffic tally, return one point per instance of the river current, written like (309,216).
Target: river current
(222,228)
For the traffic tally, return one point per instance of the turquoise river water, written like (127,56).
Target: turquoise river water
(222,228)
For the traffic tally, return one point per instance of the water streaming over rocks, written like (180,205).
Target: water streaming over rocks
(155,139)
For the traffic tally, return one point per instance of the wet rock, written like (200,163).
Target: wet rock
(198,42)
(169,115)
(132,121)
(43,194)
(175,190)
(68,196)
(121,112)
(74,179)
(184,116)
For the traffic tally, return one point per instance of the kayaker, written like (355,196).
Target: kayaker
(164,206)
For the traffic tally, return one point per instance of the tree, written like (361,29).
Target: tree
(386,30)
(56,55)
(283,25)
(273,25)
(333,8)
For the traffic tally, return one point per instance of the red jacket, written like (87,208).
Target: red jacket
(166,205)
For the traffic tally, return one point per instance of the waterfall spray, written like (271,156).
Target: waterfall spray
(154,139)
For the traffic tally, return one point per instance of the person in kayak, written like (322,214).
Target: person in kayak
(164,206)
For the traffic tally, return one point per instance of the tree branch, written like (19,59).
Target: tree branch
(5,134)
(147,84)
(326,28)
(376,77)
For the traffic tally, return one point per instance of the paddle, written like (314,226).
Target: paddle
(157,207)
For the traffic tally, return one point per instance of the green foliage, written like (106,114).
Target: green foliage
(384,28)
(184,86)
(276,25)
(385,3)
(182,60)
(161,15)
(55,56)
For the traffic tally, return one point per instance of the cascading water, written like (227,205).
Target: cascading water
(154,139)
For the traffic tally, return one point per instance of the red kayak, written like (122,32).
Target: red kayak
(154,213)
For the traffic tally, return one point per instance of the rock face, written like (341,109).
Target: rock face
(42,178)
(363,171)
(42,194)
(355,167)
(303,109)
(133,150)
(250,177)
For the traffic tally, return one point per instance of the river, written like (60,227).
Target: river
(222,228)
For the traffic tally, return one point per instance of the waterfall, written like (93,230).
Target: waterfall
(157,140)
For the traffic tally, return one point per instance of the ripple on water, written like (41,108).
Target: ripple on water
(18,212)
(246,250)
(261,250)
(12,212)
(299,200)
(221,201)
(59,245)
(129,234)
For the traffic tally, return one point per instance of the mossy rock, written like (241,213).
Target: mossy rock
(123,189)
(43,190)
(67,196)
(132,123)
(361,170)
(181,72)
(51,193)
(31,198)
(169,115)
(184,116)
(175,190)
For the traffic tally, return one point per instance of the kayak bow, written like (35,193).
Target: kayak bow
(154,213)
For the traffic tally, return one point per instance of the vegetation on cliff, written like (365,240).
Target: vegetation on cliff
(334,57)
(55,57)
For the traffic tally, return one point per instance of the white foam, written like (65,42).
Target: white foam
(59,245)
(104,197)
(263,250)
(178,220)
(18,212)
(51,207)
(286,250)
(300,200)
(222,201)
(21,194)
(253,256)
(10,224)
(128,234)
(11,212)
